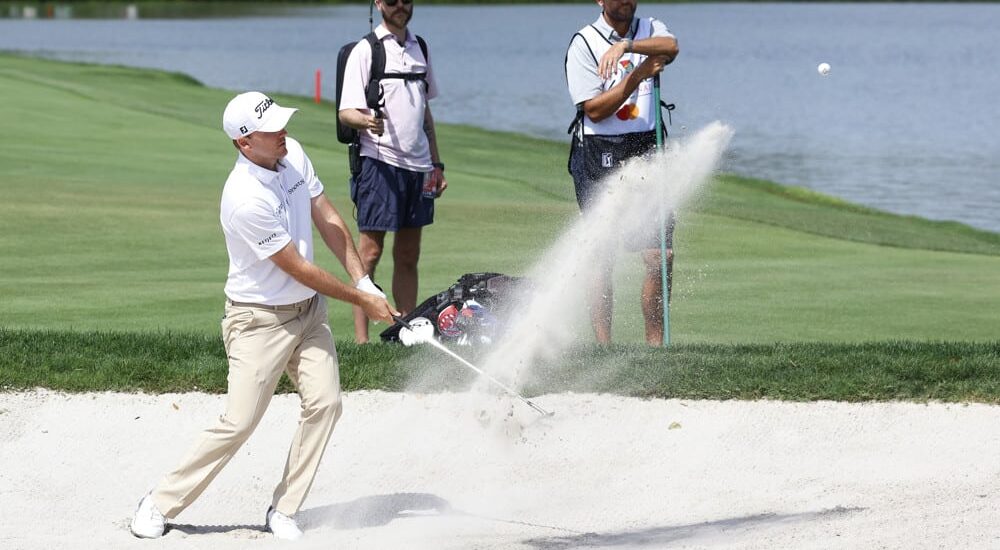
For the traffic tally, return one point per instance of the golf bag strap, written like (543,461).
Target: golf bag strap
(669,107)
(423,49)
(377,74)
(576,127)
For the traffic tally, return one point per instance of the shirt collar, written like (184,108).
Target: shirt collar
(381,32)
(262,174)
(607,31)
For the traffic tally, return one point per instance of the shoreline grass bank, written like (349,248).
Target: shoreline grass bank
(867,371)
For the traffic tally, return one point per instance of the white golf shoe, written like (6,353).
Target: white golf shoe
(282,526)
(148,522)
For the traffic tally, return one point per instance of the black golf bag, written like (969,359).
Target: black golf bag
(469,312)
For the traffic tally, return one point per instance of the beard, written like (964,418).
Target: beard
(398,17)
(621,14)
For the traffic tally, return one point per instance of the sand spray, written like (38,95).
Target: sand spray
(550,312)
(633,203)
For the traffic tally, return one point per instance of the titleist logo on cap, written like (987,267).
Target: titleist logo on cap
(262,106)
(252,112)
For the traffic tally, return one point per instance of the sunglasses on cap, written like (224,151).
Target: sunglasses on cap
(392,3)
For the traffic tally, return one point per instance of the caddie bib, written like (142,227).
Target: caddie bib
(637,113)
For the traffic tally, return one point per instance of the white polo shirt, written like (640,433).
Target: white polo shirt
(637,112)
(262,211)
(404,143)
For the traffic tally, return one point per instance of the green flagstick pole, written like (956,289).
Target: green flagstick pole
(663,221)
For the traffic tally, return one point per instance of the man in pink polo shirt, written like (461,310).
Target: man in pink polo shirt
(401,172)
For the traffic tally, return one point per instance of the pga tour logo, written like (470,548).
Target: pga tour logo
(606,160)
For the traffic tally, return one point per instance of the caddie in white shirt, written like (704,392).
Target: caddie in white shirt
(610,67)
(275,321)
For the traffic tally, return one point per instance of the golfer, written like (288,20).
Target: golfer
(401,171)
(275,321)
(610,66)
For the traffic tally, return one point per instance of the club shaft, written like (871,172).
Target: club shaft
(500,384)
(459,358)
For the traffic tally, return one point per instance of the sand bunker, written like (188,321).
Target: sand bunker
(438,472)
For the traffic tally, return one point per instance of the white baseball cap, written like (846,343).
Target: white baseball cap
(254,112)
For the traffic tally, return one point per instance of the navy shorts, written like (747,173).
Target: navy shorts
(389,198)
(592,160)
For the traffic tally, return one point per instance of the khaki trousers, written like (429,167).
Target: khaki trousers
(261,343)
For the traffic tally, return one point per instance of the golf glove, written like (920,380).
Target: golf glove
(365,284)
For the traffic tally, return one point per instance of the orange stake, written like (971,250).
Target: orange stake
(319,79)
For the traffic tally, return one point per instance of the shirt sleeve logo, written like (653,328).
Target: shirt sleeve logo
(262,242)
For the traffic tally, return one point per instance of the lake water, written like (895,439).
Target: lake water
(906,121)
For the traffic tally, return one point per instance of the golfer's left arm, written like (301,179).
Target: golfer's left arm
(337,236)
(439,182)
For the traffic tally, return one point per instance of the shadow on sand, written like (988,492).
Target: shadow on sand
(374,511)
(371,511)
(657,537)
(253,530)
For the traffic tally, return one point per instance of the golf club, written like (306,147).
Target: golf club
(433,341)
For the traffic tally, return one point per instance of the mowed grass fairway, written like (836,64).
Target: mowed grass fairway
(111,181)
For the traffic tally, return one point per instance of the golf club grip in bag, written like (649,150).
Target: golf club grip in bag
(492,293)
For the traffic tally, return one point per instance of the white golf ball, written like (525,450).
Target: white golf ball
(823,69)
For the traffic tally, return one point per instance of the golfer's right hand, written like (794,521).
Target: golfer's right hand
(377,309)
(375,124)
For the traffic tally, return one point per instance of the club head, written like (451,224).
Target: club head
(418,330)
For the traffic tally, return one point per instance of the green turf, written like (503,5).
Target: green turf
(180,362)
(112,178)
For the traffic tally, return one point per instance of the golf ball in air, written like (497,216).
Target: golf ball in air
(823,69)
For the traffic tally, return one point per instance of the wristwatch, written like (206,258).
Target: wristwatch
(438,165)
